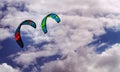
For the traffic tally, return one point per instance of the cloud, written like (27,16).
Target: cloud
(4,67)
(29,57)
(81,21)
(5,33)
(36,10)
(111,6)
(108,61)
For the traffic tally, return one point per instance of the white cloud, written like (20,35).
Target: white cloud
(29,57)
(4,67)
(108,61)
(80,21)
(5,33)
(110,5)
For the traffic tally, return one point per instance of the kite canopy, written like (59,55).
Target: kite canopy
(17,32)
(51,15)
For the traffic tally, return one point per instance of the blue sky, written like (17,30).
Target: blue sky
(110,38)
(86,40)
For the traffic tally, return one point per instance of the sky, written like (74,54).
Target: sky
(86,40)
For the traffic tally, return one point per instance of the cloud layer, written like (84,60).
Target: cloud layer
(5,68)
(82,22)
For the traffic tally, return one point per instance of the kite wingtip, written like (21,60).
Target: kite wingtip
(21,46)
(45,32)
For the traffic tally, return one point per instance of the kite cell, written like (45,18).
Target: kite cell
(17,33)
(51,15)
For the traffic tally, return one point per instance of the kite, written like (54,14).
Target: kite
(51,15)
(17,33)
